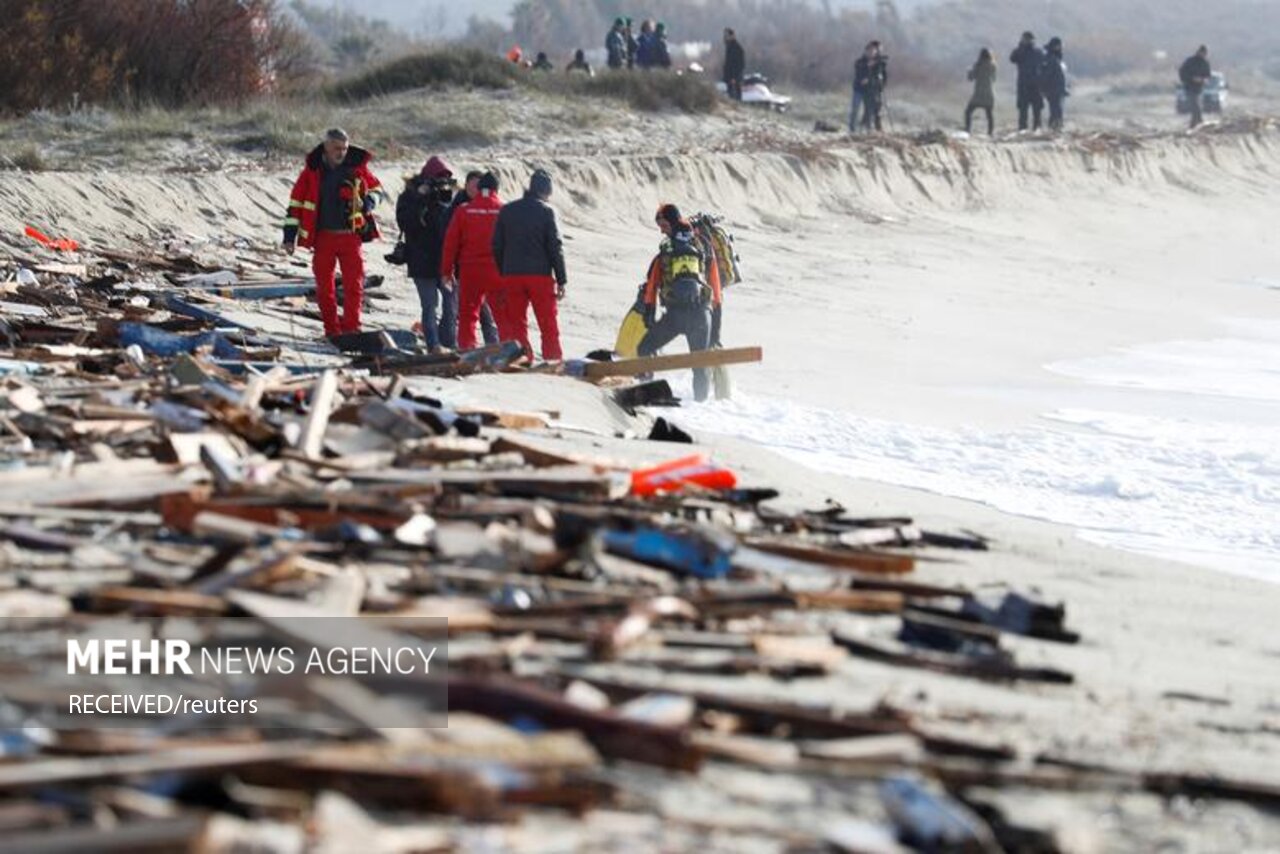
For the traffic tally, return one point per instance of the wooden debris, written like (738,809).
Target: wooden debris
(316,494)
(654,364)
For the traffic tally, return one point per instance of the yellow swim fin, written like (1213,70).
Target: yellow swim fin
(630,334)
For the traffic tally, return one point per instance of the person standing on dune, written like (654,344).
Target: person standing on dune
(331,213)
(870,77)
(661,50)
(735,64)
(685,278)
(1053,82)
(1029,58)
(983,75)
(1194,74)
(615,46)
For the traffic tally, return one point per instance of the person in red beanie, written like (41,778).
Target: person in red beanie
(468,259)
(331,212)
(423,212)
(530,256)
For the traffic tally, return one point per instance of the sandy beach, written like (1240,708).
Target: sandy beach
(923,306)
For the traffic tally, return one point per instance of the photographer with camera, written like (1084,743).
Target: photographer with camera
(422,211)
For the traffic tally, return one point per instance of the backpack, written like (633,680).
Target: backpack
(683,270)
(719,242)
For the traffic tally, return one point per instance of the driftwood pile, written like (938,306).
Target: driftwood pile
(165,463)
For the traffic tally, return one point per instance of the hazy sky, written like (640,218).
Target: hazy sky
(439,17)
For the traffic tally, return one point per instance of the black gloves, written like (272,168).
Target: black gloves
(715,326)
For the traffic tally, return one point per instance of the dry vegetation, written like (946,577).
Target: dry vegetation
(65,53)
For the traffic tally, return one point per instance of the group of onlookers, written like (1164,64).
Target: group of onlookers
(624,48)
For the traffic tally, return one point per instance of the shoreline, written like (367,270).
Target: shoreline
(1259,567)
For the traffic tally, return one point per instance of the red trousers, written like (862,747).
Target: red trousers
(333,249)
(473,286)
(510,302)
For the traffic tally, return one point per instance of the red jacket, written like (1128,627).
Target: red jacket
(468,243)
(360,188)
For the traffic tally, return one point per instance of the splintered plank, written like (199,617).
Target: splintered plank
(140,600)
(560,482)
(311,442)
(212,759)
(653,364)
(611,734)
(861,561)
(177,833)
(951,663)
(119,483)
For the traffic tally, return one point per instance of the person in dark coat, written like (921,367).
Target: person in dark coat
(983,75)
(615,45)
(422,212)
(735,64)
(644,46)
(870,77)
(661,50)
(530,257)
(1029,58)
(1053,82)
(1194,74)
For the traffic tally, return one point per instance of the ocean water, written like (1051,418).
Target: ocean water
(1184,463)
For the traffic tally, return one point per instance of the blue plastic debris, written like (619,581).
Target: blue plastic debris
(930,820)
(160,342)
(684,552)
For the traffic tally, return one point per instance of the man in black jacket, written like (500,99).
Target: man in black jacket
(1053,82)
(530,257)
(1194,74)
(1029,58)
(422,212)
(870,77)
(735,64)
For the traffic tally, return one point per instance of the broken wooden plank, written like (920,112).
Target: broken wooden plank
(212,759)
(146,600)
(653,364)
(861,561)
(323,394)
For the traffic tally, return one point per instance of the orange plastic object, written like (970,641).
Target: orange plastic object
(64,244)
(696,470)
